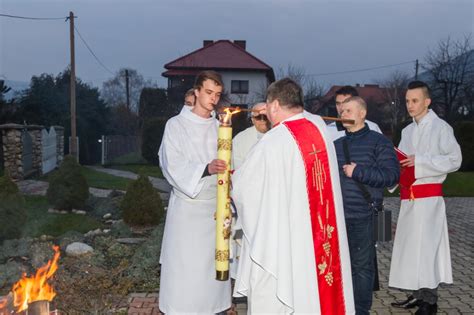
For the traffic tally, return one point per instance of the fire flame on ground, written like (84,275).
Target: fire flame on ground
(36,287)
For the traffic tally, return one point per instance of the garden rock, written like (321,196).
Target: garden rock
(131,241)
(70,237)
(78,249)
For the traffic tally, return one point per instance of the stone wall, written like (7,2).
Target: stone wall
(35,133)
(59,143)
(13,148)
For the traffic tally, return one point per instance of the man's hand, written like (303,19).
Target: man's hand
(217,166)
(408,162)
(348,169)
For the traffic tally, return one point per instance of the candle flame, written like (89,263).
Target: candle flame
(228,114)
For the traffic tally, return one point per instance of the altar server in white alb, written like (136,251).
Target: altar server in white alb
(421,257)
(188,158)
(295,258)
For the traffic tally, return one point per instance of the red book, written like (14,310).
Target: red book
(407,174)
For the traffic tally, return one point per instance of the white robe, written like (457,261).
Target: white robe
(187,284)
(242,143)
(421,256)
(241,146)
(277,268)
(336,134)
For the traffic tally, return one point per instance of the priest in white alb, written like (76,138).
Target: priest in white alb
(295,258)
(188,158)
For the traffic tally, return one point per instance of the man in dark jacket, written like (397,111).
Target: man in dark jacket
(370,160)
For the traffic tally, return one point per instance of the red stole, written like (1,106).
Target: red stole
(323,214)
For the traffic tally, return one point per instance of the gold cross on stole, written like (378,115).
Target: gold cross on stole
(319,175)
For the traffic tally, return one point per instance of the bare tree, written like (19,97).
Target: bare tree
(313,90)
(394,88)
(451,68)
(114,91)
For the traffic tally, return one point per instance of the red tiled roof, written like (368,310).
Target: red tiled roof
(180,72)
(368,92)
(220,55)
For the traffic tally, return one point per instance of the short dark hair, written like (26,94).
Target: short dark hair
(420,85)
(208,75)
(287,92)
(347,90)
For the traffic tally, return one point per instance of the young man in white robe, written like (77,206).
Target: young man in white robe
(188,158)
(421,257)
(336,129)
(295,258)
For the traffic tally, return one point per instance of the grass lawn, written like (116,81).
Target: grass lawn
(41,222)
(147,169)
(458,184)
(98,179)
(105,181)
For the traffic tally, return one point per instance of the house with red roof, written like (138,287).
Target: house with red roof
(245,76)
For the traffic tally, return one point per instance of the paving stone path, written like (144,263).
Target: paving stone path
(453,299)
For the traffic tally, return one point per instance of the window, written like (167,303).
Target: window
(239,87)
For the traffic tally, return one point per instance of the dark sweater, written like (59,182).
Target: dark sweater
(377,168)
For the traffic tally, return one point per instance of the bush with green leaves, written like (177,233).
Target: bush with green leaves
(152,135)
(12,209)
(141,204)
(68,188)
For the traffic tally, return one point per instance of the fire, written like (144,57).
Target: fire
(36,288)
(228,114)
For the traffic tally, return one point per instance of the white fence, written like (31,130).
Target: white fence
(49,150)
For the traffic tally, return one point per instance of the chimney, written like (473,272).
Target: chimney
(241,43)
(207,42)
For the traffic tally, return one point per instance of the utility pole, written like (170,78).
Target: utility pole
(73,142)
(416,69)
(128,88)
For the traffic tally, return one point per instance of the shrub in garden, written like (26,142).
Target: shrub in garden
(142,203)
(12,209)
(68,188)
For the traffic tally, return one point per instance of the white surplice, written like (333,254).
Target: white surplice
(187,284)
(336,134)
(277,268)
(242,143)
(421,257)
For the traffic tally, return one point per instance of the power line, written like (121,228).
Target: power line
(33,18)
(361,70)
(90,50)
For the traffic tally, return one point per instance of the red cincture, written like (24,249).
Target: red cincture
(323,215)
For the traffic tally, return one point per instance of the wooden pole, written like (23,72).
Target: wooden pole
(73,143)
(127,88)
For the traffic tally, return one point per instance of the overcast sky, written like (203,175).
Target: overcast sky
(320,36)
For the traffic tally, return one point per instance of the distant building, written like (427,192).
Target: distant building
(245,76)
